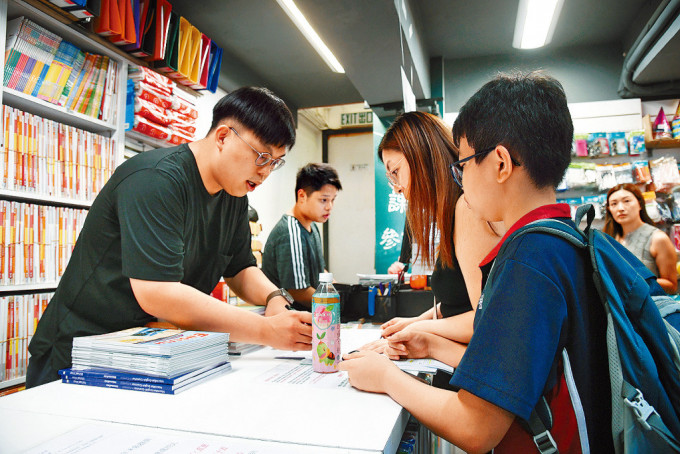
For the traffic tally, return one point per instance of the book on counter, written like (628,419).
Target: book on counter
(157,352)
(107,378)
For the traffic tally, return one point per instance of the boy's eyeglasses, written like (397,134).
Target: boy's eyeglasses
(263,158)
(457,167)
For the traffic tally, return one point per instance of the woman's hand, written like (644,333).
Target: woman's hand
(396,324)
(377,346)
(395,268)
(367,370)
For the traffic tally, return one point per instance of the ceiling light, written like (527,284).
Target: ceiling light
(301,22)
(536,20)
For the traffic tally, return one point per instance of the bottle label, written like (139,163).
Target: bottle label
(326,333)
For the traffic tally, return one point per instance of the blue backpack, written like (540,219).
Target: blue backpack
(643,346)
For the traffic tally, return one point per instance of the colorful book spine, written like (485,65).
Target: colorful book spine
(58,73)
(70,82)
(80,83)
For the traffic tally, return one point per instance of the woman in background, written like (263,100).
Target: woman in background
(417,151)
(627,221)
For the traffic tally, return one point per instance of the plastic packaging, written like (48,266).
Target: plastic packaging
(325,326)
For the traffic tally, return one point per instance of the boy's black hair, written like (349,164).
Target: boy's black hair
(259,110)
(313,177)
(528,114)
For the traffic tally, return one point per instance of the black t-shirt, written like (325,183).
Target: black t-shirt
(449,289)
(153,220)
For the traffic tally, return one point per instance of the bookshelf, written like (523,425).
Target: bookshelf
(112,131)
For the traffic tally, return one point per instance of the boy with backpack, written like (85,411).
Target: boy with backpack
(535,375)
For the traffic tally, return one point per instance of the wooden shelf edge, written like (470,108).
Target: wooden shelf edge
(651,143)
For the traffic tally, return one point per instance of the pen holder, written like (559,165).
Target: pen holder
(385,308)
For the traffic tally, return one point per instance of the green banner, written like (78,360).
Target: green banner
(390,208)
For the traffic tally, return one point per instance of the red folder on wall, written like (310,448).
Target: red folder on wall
(140,24)
(127,9)
(108,23)
(162,27)
(214,65)
(201,69)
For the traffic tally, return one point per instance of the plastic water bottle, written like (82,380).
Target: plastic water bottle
(325,326)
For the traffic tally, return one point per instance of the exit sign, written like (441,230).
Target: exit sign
(356,118)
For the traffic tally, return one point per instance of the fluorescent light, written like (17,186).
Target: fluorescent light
(536,20)
(301,22)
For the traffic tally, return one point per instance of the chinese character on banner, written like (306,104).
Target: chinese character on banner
(390,238)
(397,202)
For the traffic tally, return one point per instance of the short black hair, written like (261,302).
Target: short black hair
(259,110)
(313,177)
(527,113)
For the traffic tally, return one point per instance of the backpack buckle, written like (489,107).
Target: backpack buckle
(641,408)
(545,443)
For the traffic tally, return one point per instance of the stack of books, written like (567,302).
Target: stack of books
(41,64)
(148,359)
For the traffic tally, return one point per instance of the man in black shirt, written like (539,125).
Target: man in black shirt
(164,229)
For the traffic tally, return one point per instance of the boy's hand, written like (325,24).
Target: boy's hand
(396,324)
(367,370)
(408,344)
(289,330)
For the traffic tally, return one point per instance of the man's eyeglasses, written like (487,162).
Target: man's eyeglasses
(457,167)
(263,158)
(392,175)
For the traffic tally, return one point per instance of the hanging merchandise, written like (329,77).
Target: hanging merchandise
(651,206)
(665,172)
(581,174)
(641,173)
(605,177)
(637,143)
(579,146)
(617,143)
(598,145)
(661,128)
(623,173)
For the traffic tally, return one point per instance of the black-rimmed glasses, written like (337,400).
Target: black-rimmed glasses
(457,167)
(263,158)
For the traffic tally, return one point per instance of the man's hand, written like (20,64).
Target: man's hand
(396,324)
(367,370)
(408,344)
(275,306)
(289,330)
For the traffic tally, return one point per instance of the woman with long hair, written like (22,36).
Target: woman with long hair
(627,221)
(418,150)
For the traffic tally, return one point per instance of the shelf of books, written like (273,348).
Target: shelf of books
(62,137)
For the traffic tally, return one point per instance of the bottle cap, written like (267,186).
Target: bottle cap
(326,277)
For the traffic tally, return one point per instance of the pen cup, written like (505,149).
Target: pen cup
(385,308)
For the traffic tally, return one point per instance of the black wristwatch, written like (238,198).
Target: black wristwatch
(280,292)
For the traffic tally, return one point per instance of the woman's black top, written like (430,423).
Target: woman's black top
(449,289)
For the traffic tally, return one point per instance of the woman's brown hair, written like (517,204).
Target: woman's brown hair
(613,228)
(428,148)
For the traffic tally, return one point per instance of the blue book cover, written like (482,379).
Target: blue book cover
(91,373)
(163,388)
